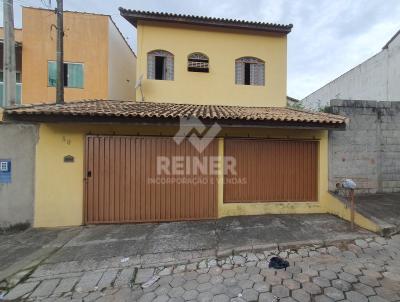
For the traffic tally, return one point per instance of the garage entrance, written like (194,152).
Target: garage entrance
(122,184)
(273,170)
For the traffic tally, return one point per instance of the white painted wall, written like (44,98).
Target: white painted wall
(394,70)
(121,67)
(377,78)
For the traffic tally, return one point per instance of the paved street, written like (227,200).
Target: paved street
(360,271)
(163,243)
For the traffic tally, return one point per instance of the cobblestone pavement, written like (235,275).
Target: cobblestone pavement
(360,271)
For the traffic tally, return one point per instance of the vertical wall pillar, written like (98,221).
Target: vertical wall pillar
(379,149)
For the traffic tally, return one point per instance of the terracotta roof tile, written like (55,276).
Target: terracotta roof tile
(135,15)
(129,109)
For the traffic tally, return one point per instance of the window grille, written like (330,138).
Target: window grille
(160,69)
(198,62)
(254,74)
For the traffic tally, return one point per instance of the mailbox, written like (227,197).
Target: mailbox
(5,171)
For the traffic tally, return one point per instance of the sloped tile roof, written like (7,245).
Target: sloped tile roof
(135,15)
(130,109)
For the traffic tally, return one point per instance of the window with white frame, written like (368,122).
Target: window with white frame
(249,71)
(160,65)
(198,62)
(3,166)
(73,74)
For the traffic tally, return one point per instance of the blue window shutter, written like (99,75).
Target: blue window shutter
(52,74)
(75,75)
(18,94)
(1,94)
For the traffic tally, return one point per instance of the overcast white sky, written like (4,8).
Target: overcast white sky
(329,36)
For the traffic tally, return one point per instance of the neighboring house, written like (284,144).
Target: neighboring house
(98,61)
(377,78)
(292,102)
(114,161)
(18,63)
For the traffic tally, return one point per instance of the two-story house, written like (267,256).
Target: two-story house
(209,135)
(99,63)
(18,63)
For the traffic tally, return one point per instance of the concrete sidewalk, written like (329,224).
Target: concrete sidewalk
(21,252)
(182,241)
(151,245)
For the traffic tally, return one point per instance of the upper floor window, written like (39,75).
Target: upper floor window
(160,65)
(73,74)
(198,62)
(249,71)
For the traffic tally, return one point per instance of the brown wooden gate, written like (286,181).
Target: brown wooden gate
(272,170)
(122,184)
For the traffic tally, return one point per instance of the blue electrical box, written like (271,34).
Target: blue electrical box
(5,171)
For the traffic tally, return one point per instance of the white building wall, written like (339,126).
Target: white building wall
(121,67)
(394,70)
(375,79)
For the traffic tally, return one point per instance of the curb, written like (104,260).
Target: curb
(286,245)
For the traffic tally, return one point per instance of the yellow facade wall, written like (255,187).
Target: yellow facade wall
(222,47)
(59,186)
(338,208)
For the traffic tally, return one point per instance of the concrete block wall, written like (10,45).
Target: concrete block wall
(18,143)
(369,150)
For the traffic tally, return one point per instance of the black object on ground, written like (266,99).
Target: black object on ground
(278,263)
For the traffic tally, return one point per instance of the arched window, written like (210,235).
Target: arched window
(160,65)
(249,71)
(198,62)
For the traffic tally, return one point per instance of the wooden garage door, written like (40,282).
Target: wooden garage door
(271,170)
(122,184)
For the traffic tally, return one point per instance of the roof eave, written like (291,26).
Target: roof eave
(225,123)
(133,18)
